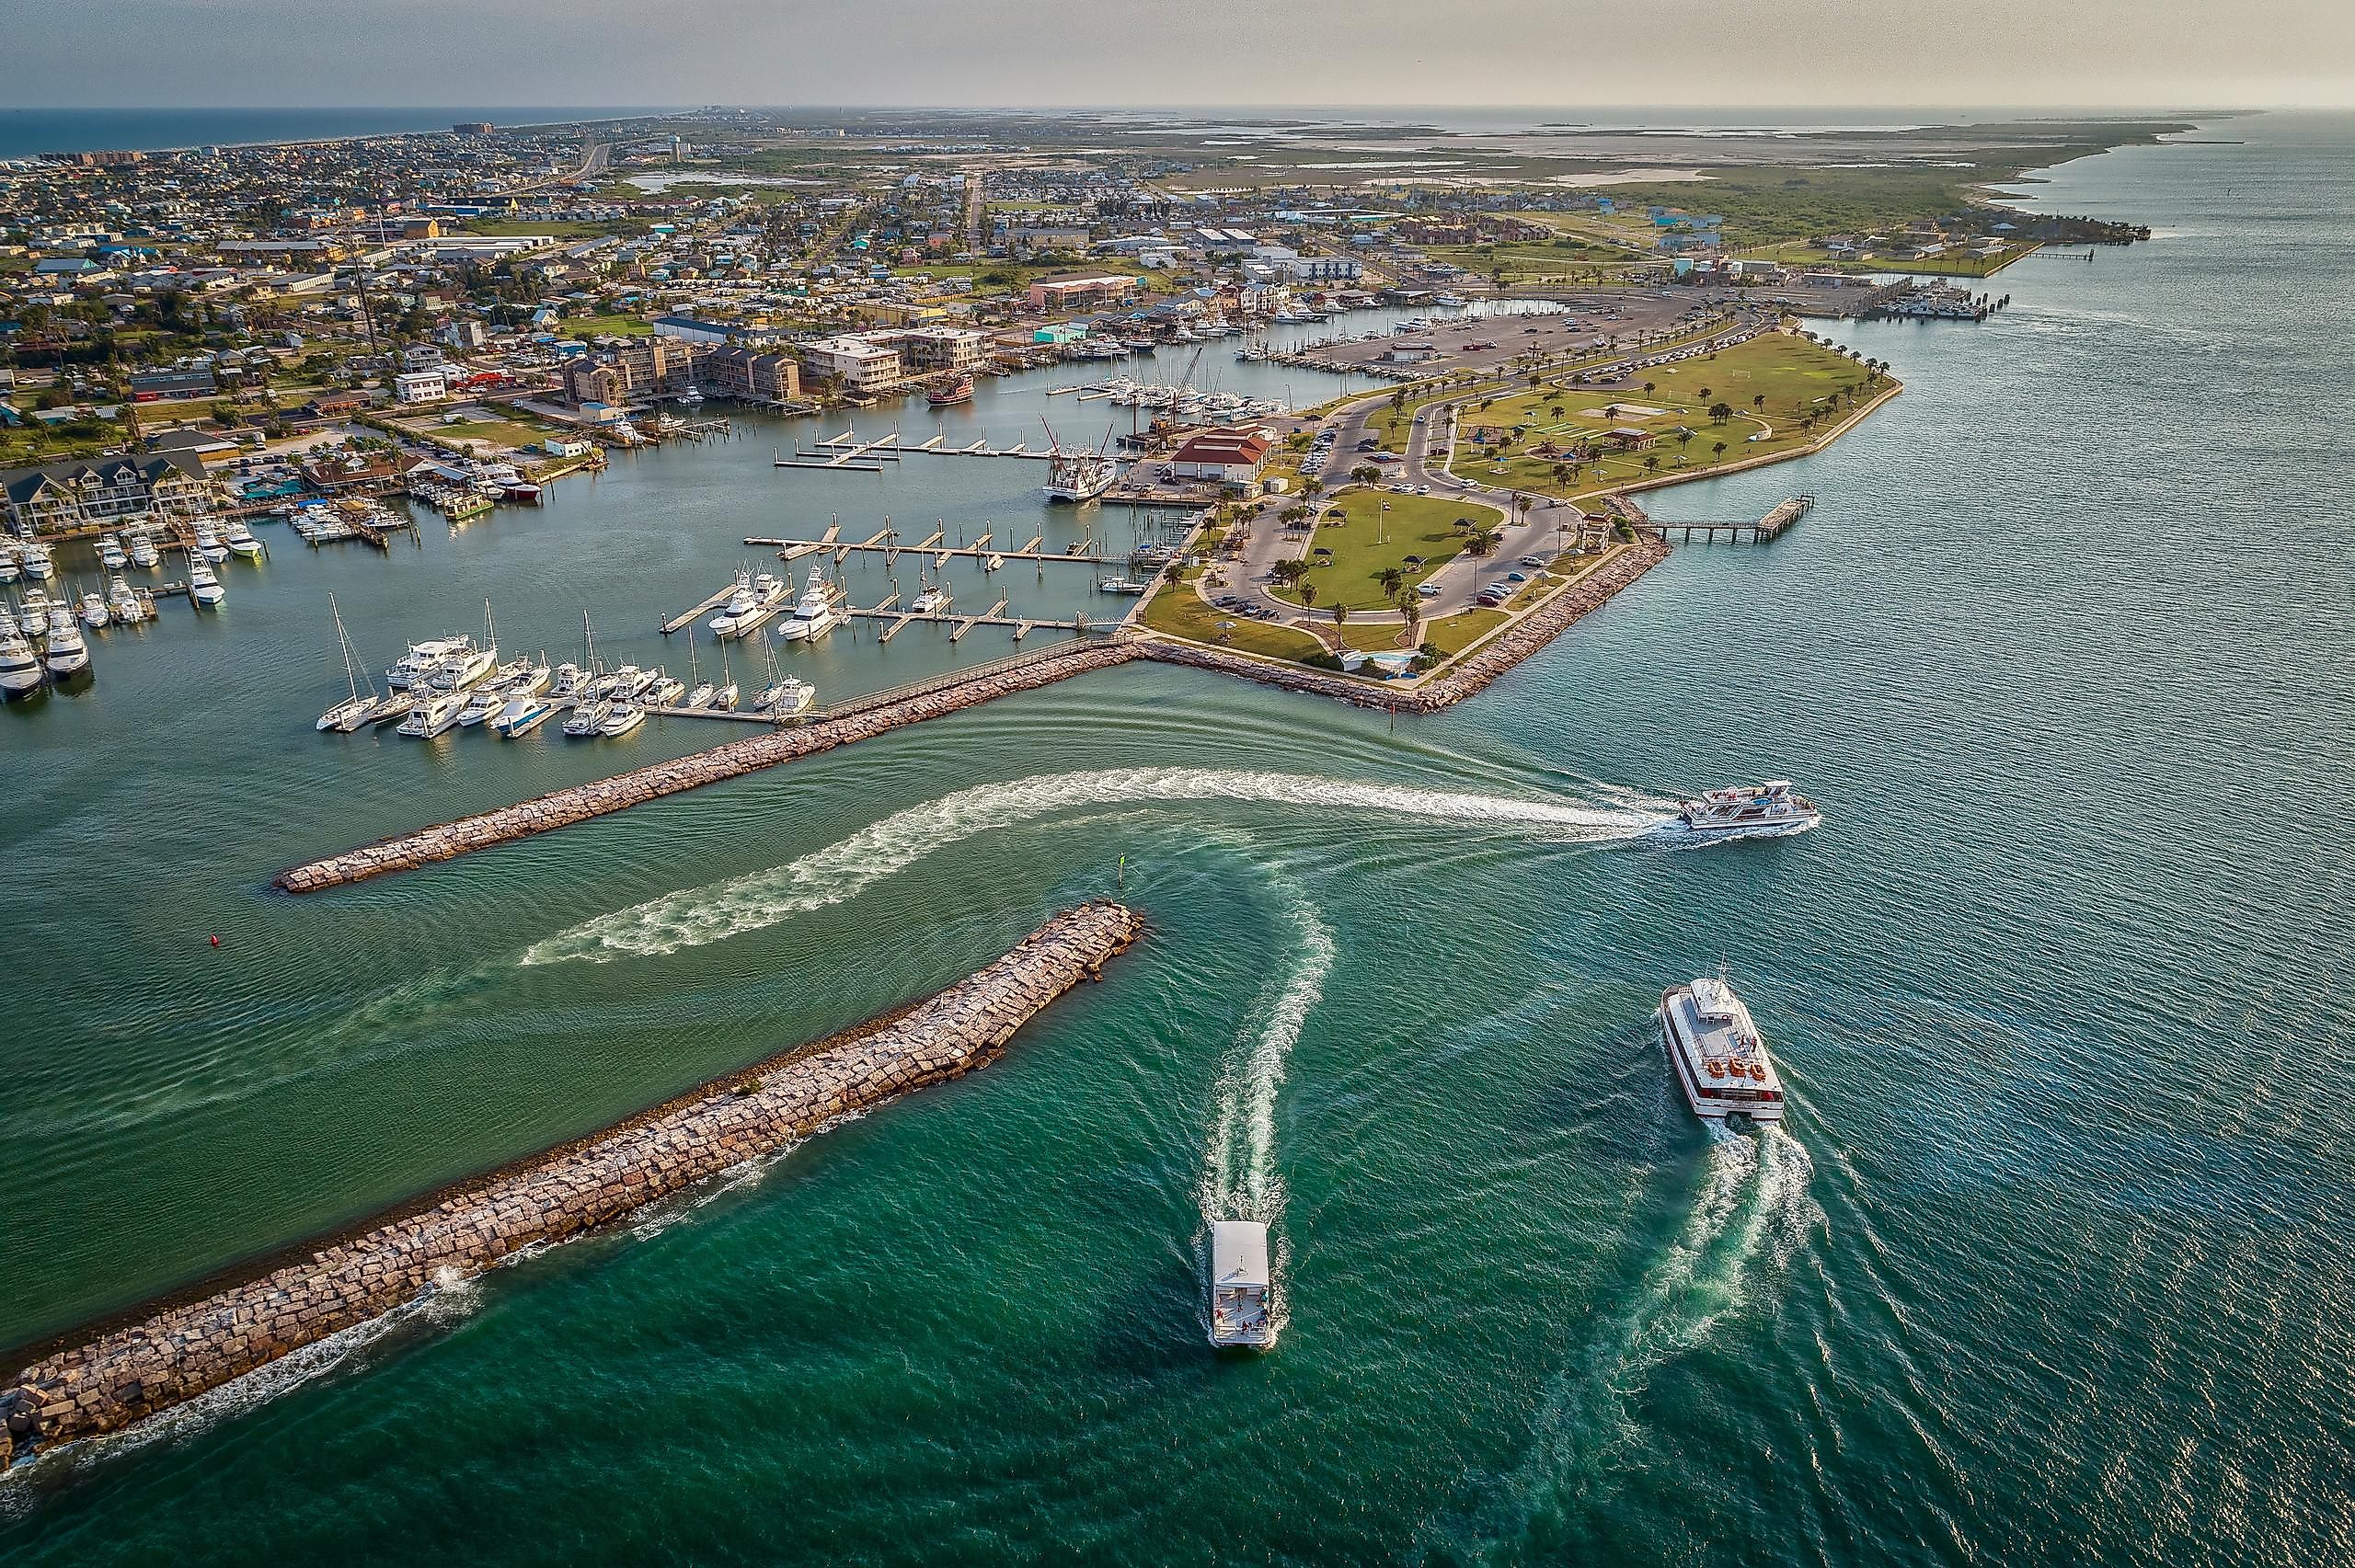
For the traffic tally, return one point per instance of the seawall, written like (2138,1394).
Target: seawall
(110,1379)
(558,808)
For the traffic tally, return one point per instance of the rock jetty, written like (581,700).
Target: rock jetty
(558,809)
(113,1379)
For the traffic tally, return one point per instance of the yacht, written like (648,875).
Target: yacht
(768,597)
(1721,1062)
(481,703)
(786,697)
(700,694)
(522,715)
(814,614)
(1239,1285)
(67,652)
(587,719)
(1766,810)
(463,669)
(240,539)
(204,588)
(19,670)
(110,554)
(569,679)
(666,690)
(142,550)
(208,544)
(530,679)
(621,718)
(7,564)
(37,564)
(94,610)
(934,600)
(739,603)
(35,615)
(417,665)
(630,683)
(432,713)
(397,705)
(122,603)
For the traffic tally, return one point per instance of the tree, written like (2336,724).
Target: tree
(1390,579)
(1365,473)
(1719,449)
(1705,394)
(1759,401)
(1314,487)
(1340,626)
(1721,412)
(1411,604)
(1557,411)
(1647,389)
(1308,594)
(1481,541)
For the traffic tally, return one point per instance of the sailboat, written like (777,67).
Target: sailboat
(355,710)
(785,695)
(699,691)
(725,698)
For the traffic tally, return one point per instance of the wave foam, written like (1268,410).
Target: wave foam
(719,911)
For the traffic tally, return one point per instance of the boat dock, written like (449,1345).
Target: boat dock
(848,448)
(1765,530)
(713,602)
(792,549)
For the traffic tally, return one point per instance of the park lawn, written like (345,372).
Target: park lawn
(1395,424)
(607,326)
(1796,378)
(1453,634)
(555,227)
(1179,611)
(1365,541)
(502,432)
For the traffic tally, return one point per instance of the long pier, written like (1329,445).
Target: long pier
(1772,526)
(941,554)
(856,719)
(106,1379)
(890,447)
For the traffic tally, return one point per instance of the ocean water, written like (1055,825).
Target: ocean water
(28,132)
(2046,1266)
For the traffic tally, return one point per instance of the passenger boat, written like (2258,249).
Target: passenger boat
(620,719)
(204,588)
(110,554)
(960,390)
(587,719)
(1239,1285)
(19,670)
(814,614)
(432,713)
(67,652)
(1768,810)
(1721,1063)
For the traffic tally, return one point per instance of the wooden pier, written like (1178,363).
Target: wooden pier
(789,549)
(848,448)
(1772,526)
(713,602)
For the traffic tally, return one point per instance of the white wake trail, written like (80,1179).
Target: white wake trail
(694,916)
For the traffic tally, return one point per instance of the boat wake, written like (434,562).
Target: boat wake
(1752,1208)
(1240,1180)
(694,916)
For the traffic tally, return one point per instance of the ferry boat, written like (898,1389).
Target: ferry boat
(814,615)
(947,396)
(1239,1282)
(1721,1062)
(1768,810)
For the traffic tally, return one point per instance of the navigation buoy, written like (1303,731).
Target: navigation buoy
(216,942)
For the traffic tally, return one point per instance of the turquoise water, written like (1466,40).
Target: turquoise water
(2046,1268)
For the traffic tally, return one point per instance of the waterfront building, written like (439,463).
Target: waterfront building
(1082,291)
(115,490)
(859,364)
(754,376)
(1229,456)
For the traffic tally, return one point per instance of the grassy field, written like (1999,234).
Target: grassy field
(557,228)
(501,432)
(606,326)
(1453,634)
(1365,539)
(1782,390)
(1180,611)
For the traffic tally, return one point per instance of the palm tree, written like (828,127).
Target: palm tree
(1647,389)
(1340,624)
(1314,486)
(1759,401)
(1307,595)
(1719,449)
(1721,412)
(1390,579)
(1411,606)
(1651,463)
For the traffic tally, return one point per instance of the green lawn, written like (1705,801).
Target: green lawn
(1180,611)
(606,326)
(1453,634)
(1798,381)
(1364,540)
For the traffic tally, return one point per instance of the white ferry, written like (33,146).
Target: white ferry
(1239,1283)
(1771,809)
(1719,1059)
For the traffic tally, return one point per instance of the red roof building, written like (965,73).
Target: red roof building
(1231,457)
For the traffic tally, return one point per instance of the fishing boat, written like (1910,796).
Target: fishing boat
(768,597)
(952,392)
(19,669)
(94,610)
(37,564)
(123,604)
(1120,585)
(786,697)
(240,540)
(67,652)
(567,682)
(432,713)
(110,554)
(34,618)
(1767,810)
(587,719)
(1720,1060)
(208,544)
(204,588)
(1240,1282)
(359,707)
(815,613)
(481,703)
(142,550)
(630,683)
(739,603)
(620,719)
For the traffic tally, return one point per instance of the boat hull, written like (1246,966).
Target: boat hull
(1707,1108)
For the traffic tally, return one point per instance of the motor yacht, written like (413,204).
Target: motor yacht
(208,544)
(568,681)
(934,600)
(522,715)
(123,604)
(8,568)
(463,669)
(739,603)
(143,551)
(587,719)
(34,557)
(204,588)
(481,703)
(814,614)
(786,697)
(1240,1282)
(1766,811)
(630,683)
(110,554)
(1721,1063)
(19,669)
(67,652)
(34,619)
(665,691)
(621,718)
(94,610)
(241,541)
(432,713)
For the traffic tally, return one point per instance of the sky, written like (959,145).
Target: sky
(1796,53)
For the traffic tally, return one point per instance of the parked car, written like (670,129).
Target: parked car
(1516,577)
(1428,590)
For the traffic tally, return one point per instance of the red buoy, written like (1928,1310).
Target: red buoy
(216,942)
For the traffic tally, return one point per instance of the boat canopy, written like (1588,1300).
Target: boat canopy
(1238,1252)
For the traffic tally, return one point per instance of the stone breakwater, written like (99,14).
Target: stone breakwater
(107,1382)
(561,807)
(1469,674)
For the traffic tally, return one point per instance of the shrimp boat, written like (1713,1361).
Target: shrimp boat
(1766,810)
(1077,474)
(1239,1285)
(356,709)
(1721,1063)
